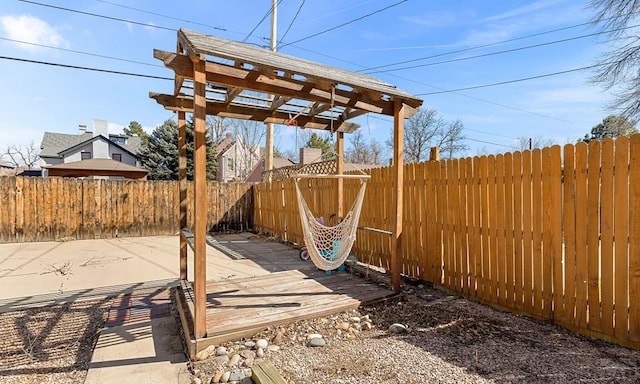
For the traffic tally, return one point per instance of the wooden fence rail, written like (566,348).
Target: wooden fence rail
(551,233)
(37,209)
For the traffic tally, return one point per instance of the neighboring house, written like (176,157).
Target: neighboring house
(235,159)
(7,169)
(256,175)
(95,154)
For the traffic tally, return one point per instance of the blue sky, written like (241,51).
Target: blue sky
(38,98)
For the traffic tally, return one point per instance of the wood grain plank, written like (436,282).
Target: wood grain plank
(517,232)
(500,230)
(621,236)
(536,180)
(508,229)
(606,234)
(527,231)
(581,235)
(634,239)
(593,235)
(569,230)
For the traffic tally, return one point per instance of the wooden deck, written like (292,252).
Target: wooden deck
(242,307)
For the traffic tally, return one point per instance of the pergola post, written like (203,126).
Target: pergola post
(200,193)
(182,180)
(398,178)
(340,171)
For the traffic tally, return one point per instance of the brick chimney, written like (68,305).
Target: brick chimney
(310,155)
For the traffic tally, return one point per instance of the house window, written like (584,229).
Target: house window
(85,155)
(116,156)
(230,164)
(118,139)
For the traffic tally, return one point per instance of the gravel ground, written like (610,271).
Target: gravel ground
(50,344)
(448,340)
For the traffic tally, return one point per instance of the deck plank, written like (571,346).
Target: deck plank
(248,304)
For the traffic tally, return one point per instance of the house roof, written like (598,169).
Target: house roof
(53,144)
(305,93)
(4,164)
(256,174)
(92,139)
(224,144)
(96,167)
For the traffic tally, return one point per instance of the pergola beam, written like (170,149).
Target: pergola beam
(230,76)
(248,112)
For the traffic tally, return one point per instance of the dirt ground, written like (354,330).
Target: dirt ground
(51,344)
(448,340)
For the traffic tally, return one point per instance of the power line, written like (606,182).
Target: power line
(489,44)
(161,15)
(86,68)
(293,20)
(511,81)
(261,20)
(466,138)
(345,24)
(501,52)
(492,143)
(100,16)
(81,52)
(443,89)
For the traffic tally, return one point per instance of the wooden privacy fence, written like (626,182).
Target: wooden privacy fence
(551,233)
(37,209)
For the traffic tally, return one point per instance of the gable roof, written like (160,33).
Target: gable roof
(309,94)
(92,167)
(54,144)
(91,140)
(224,144)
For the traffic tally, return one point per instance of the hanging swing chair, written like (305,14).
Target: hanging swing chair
(329,245)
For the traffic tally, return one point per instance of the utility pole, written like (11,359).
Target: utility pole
(274,40)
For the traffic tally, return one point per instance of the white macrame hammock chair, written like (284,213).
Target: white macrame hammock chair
(329,246)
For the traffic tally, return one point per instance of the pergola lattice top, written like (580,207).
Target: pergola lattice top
(256,84)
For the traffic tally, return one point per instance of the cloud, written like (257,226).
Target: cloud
(521,11)
(31,30)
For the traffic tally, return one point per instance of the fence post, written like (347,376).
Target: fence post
(434,154)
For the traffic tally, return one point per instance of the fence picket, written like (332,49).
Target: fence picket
(593,235)
(606,235)
(634,239)
(569,225)
(621,231)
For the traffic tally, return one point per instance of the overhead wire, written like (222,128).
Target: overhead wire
(82,52)
(162,15)
(98,15)
(261,20)
(488,44)
(500,52)
(378,11)
(86,68)
(292,21)
(513,81)
(345,24)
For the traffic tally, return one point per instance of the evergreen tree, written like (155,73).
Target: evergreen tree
(612,126)
(323,143)
(135,129)
(160,154)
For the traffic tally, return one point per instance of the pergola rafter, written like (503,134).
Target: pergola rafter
(219,77)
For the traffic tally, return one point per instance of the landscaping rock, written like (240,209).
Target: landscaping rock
(262,343)
(221,351)
(235,359)
(397,328)
(205,353)
(260,353)
(317,342)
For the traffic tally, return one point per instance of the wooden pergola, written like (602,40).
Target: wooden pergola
(219,77)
